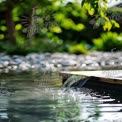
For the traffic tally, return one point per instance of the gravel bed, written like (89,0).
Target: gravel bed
(60,61)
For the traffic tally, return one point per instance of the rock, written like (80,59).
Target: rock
(24,66)
(5,58)
(1,66)
(59,61)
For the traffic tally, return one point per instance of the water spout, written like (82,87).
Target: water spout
(75,81)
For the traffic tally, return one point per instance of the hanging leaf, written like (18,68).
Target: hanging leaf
(102,14)
(101,21)
(107,26)
(91,11)
(115,24)
(87,6)
(99,7)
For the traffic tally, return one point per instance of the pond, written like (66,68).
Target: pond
(39,97)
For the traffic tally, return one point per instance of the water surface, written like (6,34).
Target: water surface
(40,98)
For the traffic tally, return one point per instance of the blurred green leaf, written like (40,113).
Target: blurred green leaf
(107,41)
(78,48)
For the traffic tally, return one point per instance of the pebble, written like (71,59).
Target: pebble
(59,61)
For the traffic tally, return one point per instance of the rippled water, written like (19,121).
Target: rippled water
(40,98)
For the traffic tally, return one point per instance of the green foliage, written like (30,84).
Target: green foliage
(99,9)
(71,21)
(68,24)
(39,45)
(65,26)
(81,48)
(108,41)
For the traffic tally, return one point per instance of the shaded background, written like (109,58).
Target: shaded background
(53,26)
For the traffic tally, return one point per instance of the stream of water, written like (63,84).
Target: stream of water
(40,98)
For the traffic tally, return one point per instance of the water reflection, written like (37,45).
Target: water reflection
(29,101)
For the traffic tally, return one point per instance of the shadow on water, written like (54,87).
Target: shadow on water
(41,98)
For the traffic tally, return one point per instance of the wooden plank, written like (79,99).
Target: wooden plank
(108,76)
